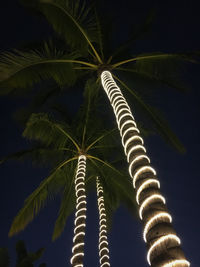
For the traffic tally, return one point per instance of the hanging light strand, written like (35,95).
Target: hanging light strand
(143,175)
(103,243)
(80,215)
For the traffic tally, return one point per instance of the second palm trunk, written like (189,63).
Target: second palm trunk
(162,242)
(80,215)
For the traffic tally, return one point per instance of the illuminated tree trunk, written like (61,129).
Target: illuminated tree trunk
(80,215)
(103,242)
(162,242)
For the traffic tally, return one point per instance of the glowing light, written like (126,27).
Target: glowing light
(101,250)
(153,220)
(135,160)
(79,226)
(128,130)
(102,236)
(122,110)
(176,263)
(123,116)
(78,198)
(103,243)
(81,183)
(142,170)
(82,157)
(123,103)
(77,235)
(114,94)
(79,217)
(79,221)
(159,242)
(105,263)
(77,246)
(148,200)
(117,98)
(76,255)
(144,185)
(83,209)
(126,123)
(131,139)
(78,191)
(133,149)
(81,203)
(104,256)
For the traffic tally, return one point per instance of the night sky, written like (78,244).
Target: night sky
(176,28)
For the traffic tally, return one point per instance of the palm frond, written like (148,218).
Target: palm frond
(41,128)
(32,205)
(67,204)
(157,57)
(117,188)
(160,124)
(72,20)
(20,69)
(151,79)
(41,156)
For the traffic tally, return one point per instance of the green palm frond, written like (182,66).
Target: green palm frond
(41,128)
(88,107)
(41,156)
(32,205)
(160,124)
(117,188)
(157,58)
(20,69)
(72,20)
(67,205)
(152,80)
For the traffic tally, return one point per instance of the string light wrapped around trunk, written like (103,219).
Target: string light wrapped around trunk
(103,242)
(80,215)
(162,242)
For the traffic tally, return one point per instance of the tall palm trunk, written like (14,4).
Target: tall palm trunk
(103,242)
(162,242)
(80,215)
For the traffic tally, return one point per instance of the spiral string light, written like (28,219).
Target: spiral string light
(103,243)
(174,263)
(144,178)
(80,215)
(160,242)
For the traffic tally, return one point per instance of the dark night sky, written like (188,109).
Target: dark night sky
(176,29)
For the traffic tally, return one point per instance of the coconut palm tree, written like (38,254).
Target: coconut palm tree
(103,240)
(85,53)
(68,148)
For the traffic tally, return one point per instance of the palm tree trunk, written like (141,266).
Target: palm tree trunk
(103,242)
(80,215)
(162,242)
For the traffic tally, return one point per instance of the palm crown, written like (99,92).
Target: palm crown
(81,51)
(59,145)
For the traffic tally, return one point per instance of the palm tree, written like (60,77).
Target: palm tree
(83,52)
(103,240)
(67,148)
